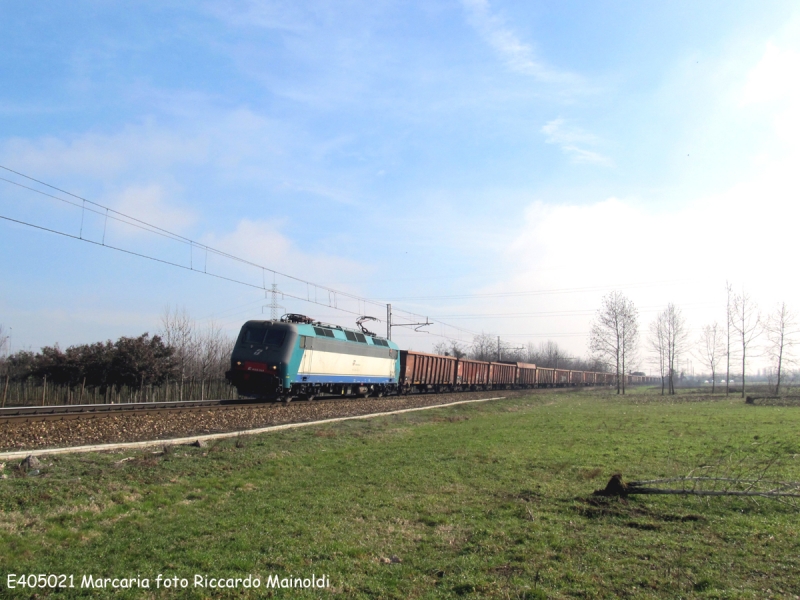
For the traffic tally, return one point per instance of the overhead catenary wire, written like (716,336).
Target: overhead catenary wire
(541,292)
(85,205)
(140,224)
(322,295)
(160,260)
(558,313)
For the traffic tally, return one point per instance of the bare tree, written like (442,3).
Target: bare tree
(484,347)
(729,325)
(550,355)
(746,323)
(3,351)
(615,334)
(212,350)
(711,350)
(677,337)
(781,328)
(177,331)
(3,341)
(668,338)
(590,363)
(450,348)
(530,355)
(554,356)
(658,346)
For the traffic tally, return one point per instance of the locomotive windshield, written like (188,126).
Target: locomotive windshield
(268,337)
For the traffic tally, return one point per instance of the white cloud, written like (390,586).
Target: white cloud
(737,232)
(151,203)
(570,138)
(775,78)
(257,241)
(773,85)
(263,242)
(104,155)
(518,55)
(239,145)
(744,234)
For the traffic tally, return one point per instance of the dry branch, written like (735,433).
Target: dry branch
(752,487)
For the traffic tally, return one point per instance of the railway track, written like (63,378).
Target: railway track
(40,427)
(205,438)
(31,414)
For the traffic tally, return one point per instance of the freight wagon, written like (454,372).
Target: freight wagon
(545,377)
(502,375)
(472,374)
(422,372)
(526,375)
(561,377)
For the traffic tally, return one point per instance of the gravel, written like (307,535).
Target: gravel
(137,428)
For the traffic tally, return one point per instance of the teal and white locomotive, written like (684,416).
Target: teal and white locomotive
(297,357)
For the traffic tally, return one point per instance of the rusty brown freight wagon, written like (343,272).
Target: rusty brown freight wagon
(526,374)
(502,375)
(545,377)
(472,373)
(562,377)
(424,372)
(576,377)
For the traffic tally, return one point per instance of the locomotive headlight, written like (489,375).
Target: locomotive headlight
(274,367)
(238,363)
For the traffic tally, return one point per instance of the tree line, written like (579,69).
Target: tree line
(548,354)
(614,343)
(745,332)
(130,361)
(182,356)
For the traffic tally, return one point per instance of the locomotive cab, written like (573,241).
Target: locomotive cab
(261,357)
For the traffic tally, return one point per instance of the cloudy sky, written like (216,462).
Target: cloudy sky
(497,166)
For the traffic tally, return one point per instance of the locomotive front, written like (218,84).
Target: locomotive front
(261,357)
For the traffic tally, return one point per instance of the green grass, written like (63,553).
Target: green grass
(480,500)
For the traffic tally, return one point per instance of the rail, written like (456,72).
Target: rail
(82,411)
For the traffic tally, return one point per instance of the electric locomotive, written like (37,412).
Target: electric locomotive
(297,357)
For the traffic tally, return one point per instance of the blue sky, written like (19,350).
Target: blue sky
(404,152)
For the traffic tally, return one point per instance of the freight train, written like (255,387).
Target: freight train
(297,357)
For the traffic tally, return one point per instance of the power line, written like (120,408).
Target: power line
(560,313)
(140,224)
(160,260)
(105,208)
(541,292)
(143,225)
(107,213)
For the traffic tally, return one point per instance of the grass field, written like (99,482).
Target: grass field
(479,500)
